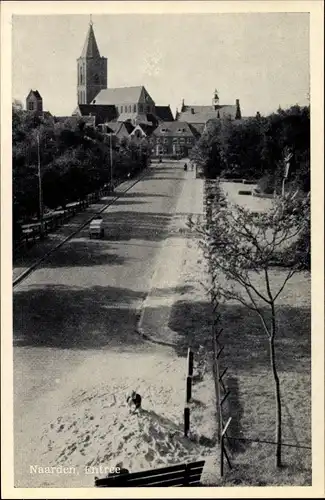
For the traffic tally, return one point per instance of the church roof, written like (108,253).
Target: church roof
(164,113)
(104,113)
(90,47)
(120,95)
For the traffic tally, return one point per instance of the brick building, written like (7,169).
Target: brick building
(173,139)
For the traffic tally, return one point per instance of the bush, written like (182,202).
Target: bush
(244,192)
(266,184)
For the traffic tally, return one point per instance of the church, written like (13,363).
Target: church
(131,112)
(123,104)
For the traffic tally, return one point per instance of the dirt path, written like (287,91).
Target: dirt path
(78,418)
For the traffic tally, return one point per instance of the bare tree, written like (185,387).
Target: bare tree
(240,245)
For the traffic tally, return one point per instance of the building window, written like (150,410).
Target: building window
(166,140)
(81,76)
(189,140)
(158,140)
(182,140)
(130,108)
(125,109)
(140,108)
(175,140)
(134,108)
(31,106)
(148,109)
(163,129)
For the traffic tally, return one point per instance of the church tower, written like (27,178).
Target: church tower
(92,70)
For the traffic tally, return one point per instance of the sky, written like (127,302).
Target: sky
(262,59)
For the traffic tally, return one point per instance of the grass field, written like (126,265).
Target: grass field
(251,403)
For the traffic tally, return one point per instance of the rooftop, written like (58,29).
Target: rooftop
(201,114)
(172,128)
(119,95)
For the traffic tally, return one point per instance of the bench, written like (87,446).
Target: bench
(188,474)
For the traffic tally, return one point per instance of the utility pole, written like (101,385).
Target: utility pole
(40,190)
(111,159)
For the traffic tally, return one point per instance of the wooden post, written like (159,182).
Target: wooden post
(186,421)
(220,351)
(188,389)
(221,455)
(224,397)
(222,448)
(189,362)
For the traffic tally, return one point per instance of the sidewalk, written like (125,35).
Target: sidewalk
(166,286)
(38,251)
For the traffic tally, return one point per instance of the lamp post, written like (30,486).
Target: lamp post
(40,189)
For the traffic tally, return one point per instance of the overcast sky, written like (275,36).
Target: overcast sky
(261,59)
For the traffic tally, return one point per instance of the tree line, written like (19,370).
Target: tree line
(254,148)
(74,161)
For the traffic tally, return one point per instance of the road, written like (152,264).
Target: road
(85,299)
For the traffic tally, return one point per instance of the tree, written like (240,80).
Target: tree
(253,148)
(240,245)
(208,152)
(17,104)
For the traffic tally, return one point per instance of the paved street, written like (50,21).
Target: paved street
(87,296)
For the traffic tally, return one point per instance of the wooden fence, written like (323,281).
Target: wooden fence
(217,348)
(31,233)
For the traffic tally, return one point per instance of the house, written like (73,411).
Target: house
(173,138)
(119,129)
(142,131)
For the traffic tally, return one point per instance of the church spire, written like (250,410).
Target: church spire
(92,69)
(90,49)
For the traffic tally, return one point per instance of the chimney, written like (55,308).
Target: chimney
(238,112)
(182,105)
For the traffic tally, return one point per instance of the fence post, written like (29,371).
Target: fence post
(186,421)
(189,362)
(222,447)
(221,455)
(188,389)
